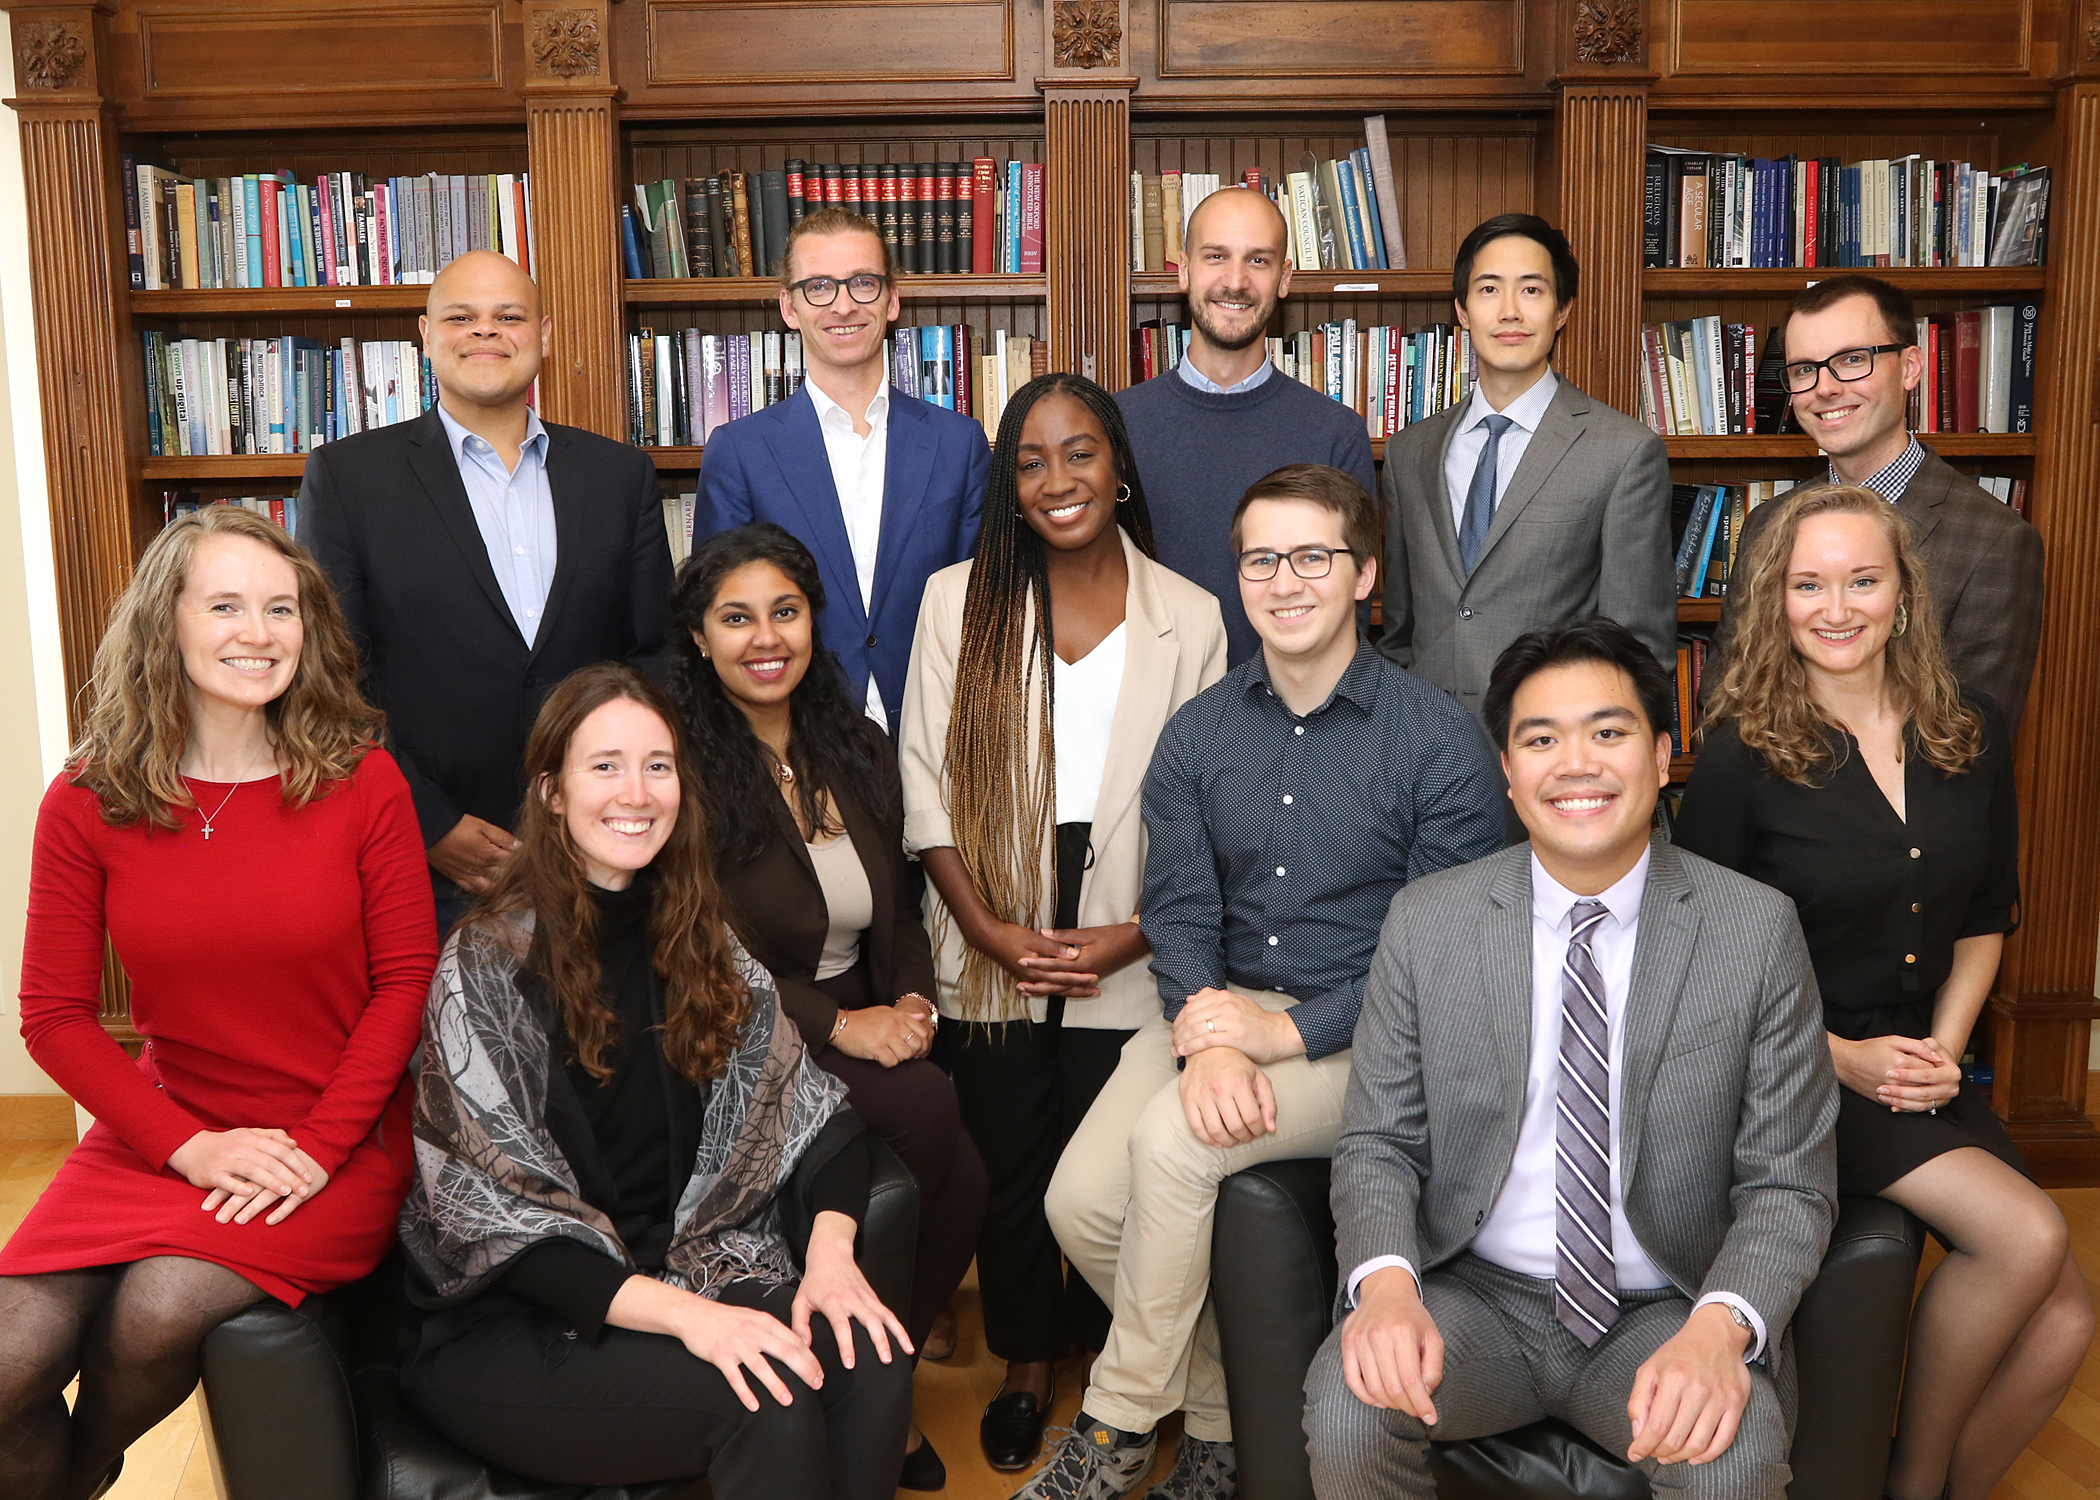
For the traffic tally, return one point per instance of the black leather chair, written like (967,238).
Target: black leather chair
(1273,1275)
(306,1404)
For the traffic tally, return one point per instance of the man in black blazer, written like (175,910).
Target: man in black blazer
(481,556)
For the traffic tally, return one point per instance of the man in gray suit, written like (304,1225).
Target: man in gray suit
(1528,504)
(1586,1165)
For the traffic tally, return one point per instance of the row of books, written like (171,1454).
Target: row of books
(682,385)
(1697,379)
(1692,649)
(938,218)
(1979,371)
(283,509)
(1339,215)
(267,229)
(679,508)
(1709,209)
(276,395)
(1706,522)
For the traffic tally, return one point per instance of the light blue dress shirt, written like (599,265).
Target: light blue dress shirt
(1204,383)
(515,510)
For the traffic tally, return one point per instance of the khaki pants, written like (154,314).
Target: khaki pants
(1132,1204)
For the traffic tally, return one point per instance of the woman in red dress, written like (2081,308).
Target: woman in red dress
(229,821)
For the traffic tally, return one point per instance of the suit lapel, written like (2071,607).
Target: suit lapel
(1151,655)
(430,457)
(1922,496)
(1557,432)
(1662,955)
(907,470)
(795,439)
(1429,477)
(1505,979)
(572,525)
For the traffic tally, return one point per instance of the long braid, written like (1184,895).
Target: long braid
(1002,789)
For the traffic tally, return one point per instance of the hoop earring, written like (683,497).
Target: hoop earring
(1902,619)
(1122,494)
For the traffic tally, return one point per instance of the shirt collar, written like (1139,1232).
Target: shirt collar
(1527,411)
(1890,483)
(877,414)
(1551,901)
(1359,681)
(457,435)
(1202,382)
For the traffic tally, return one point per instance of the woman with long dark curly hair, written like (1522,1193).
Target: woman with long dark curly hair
(1844,765)
(637,1198)
(1043,671)
(807,825)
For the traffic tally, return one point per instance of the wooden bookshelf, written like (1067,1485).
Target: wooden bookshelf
(1698,611)
(1542,105)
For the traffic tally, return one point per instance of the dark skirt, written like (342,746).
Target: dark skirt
(1876,1146)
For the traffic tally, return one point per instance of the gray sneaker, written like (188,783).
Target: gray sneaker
(1093,1461)
(1203,1470)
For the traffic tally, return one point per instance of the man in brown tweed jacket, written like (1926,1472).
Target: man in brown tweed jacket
(1982,561)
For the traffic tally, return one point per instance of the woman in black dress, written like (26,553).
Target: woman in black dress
(1843,765)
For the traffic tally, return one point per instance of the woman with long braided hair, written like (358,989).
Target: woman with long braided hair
(1043,671)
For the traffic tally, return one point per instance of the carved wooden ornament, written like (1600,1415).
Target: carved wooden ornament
(1607,31)
(52,54)
(1087,33)
(565,42)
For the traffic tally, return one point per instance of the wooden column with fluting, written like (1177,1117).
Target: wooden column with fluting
(80,285)
(2042,1017)
(1086,226)
(1600,137)
(572,133)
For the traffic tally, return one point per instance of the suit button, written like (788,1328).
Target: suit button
(1479,1219)
(870,641)
(1465,614)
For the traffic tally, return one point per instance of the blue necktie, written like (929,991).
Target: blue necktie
(1480,496)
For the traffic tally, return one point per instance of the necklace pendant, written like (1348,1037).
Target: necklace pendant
(786,773)
(207,832)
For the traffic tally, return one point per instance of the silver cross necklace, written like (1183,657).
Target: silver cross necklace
(213,816)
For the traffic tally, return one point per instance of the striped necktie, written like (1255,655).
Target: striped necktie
(1585,1281)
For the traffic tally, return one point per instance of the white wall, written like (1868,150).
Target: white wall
(32,682)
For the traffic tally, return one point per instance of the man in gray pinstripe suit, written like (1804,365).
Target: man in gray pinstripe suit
(1585,1168)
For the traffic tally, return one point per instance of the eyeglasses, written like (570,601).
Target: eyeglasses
(822,291)
(1846,365)
(1306,562)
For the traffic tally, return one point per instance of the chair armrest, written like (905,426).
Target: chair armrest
(1849,1335)
(278,1402)
(1273,1277)
(889,1239)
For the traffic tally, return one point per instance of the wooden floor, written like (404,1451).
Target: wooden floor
(171,1463)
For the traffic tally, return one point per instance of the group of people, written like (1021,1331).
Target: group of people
(1049,816)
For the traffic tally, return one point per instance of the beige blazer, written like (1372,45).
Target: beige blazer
(1175,648)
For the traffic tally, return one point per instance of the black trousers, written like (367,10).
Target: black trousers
(508,1380)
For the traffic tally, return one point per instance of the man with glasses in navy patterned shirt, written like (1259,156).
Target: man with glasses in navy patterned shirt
(1285,806)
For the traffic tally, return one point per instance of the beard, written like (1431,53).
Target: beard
(1257,325)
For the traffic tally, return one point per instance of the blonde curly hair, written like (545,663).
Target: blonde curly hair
(137,721)
(1765,689)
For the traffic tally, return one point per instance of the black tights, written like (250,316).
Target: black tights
(131,1333)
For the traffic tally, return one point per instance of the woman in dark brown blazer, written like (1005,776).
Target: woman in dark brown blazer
(806,819)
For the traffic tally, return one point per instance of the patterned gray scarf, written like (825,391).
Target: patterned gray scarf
(491,1180)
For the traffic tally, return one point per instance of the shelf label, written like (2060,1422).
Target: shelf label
(1356,286)
(342,302)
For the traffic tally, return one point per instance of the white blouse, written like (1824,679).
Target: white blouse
(1086,692)
(849,903)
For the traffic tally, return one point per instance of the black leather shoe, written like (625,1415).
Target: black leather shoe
(923,1469)
(1011,1430)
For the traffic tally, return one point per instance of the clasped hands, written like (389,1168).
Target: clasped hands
(1906,1074)
(1687,1398)
(1223,1039)
(1067,961)
(737,1340)
(889,1034)
(246,1170)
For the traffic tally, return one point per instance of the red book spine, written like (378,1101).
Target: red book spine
(1968,386)
(271,273)
(1393,412)
(794,187)
(983,197)
(1031,218)
(524,216)
(1251,178)
(849,187)
(1811,214)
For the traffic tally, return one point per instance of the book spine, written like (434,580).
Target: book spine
(329,263)
(1011,241)
(927,195)
(944,220)
(798,205)
(721,215)
(134,256)
(1381,154)
(740,201)
(699,234)
(2020,404)
(1031,218)
(269,189)
(983,192)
